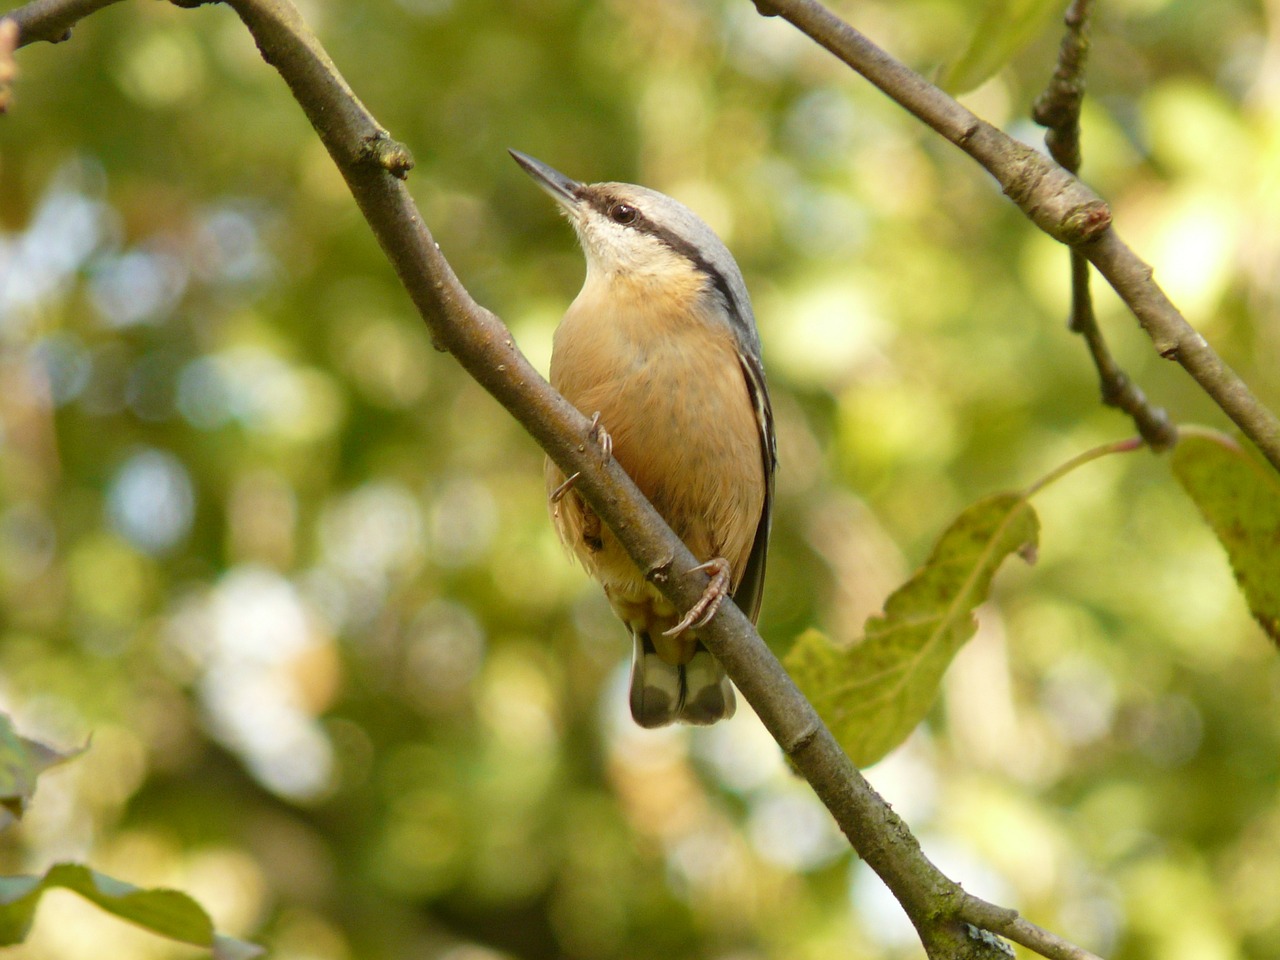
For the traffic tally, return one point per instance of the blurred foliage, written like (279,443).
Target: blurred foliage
(1240,498)
(294,572)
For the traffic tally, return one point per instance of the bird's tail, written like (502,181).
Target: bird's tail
(661,693)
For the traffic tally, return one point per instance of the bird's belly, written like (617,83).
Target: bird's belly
(683,427)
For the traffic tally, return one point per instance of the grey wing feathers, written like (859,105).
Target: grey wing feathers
(751,588)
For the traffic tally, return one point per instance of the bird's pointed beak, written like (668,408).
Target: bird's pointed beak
(561,188)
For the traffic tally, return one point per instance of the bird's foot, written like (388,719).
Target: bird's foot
(700,614)
(599,436)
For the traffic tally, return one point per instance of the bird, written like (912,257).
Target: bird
(660,350)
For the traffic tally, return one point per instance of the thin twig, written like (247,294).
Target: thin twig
(1009,923)
(1055,201)
(52,20)
(1058,110)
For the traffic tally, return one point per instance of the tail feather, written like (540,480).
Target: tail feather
(697,692)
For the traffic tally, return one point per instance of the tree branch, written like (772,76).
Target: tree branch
(1009,924)
(52,20)
(480,342)
(1055,201)
(1058,109)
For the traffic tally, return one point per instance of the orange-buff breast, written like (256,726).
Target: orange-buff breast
(671,393)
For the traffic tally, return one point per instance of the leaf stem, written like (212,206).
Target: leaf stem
(1127,445)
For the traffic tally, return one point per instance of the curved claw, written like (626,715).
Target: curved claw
(700,614)
(601,436)
(558,493)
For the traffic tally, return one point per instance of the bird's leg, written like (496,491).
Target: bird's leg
(700,613)
(598,435)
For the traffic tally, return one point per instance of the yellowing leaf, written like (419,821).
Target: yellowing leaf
(21,762)
(873,693)
(1240,499)
(168,913)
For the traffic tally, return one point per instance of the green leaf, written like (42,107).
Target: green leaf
(1004,28)
(1240,499)
(21,762)
(168,913)
(873,693)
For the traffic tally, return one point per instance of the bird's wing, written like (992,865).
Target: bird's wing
(751,586)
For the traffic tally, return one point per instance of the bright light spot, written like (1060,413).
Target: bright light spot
(229,884)
(757,49)
(794,830)
(163,69)
(229,246)
(533,329)
(374,531)
(516,701)
(837,314)
(1079,699)
(255,387)
(884,421)
(908,779)
(1194,251)
(151,501)
(707,858)
(65,364)
(258,633)
(136,287)
(741,752)
(883,917)
(40,263)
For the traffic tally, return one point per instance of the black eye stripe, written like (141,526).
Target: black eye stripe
(605,203)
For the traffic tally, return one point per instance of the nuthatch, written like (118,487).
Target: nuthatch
(661,348)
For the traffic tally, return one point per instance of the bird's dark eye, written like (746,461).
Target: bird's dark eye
(623,213)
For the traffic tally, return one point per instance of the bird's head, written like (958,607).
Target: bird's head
(640,234)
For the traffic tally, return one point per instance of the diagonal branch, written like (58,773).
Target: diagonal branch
(485,348)
(1055,201)
(1058,110)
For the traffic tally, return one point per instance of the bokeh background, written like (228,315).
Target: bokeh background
(293,572)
